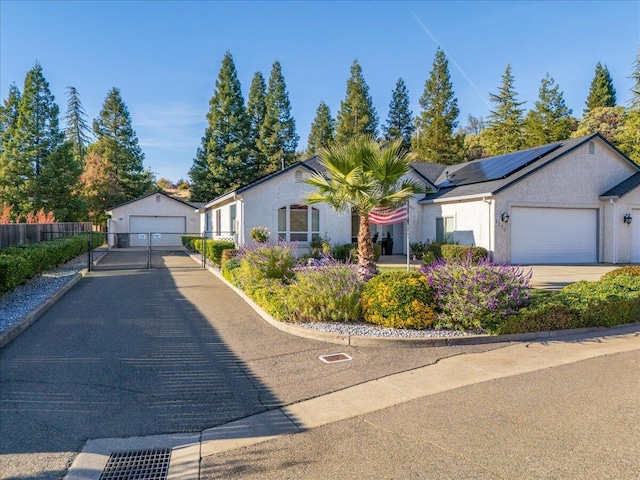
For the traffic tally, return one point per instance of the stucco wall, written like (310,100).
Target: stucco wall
(153,205)
(628,236)
(573,181)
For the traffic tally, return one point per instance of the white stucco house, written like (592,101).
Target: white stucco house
(157,219)
(575,201)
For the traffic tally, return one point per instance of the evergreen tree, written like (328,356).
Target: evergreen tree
(505,130)
(322,133)
(435,141)
(628,136)
(278,139)
(77,127)
(221,161)
(256,110)
(602,92)
(605,120)
(550,121)
(357,116)
(13,168)
(117,142)
(36,136)
(400,119)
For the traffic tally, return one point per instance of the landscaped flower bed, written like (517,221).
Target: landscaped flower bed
(460,294)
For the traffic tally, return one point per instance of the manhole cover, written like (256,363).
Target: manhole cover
(335,358)
(138,465)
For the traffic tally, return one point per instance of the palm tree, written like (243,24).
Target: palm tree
(360,175)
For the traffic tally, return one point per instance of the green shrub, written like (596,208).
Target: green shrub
(399,300)
(268,260)
(631,270)
(450,251)
(270,294)
(187,241)
(260,234)
(215,249)
(613,311)
(329,292)
(14,271)
(540,319)
(344,251)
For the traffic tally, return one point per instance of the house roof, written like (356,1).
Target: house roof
(429,171)
(623,188)
(491,185)
(158,192)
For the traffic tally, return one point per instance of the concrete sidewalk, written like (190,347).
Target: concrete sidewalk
(189,450)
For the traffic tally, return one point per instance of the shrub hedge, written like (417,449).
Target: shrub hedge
(633,270)
(449,252)
(18,264)
(212,249)
(187,241)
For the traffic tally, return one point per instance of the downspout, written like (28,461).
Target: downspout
(615,230)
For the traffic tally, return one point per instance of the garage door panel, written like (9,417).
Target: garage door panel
(554,235)
(165,231)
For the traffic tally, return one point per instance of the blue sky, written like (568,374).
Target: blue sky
(165,56)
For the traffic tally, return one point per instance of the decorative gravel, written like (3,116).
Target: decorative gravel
(25,298)
(367,330)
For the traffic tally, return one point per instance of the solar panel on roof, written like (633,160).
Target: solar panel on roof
(495,168)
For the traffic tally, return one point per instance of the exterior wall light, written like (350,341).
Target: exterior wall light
(627,219)
(505,217)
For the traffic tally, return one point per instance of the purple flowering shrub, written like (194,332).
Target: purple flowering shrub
(324,291)
(472,296)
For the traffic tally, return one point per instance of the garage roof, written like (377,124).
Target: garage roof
(189,204)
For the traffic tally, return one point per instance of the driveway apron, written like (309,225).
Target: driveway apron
(143,352)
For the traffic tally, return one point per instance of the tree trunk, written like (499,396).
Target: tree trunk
(366,259)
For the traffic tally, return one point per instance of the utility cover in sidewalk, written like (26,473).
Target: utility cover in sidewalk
(138,465)
(335,358)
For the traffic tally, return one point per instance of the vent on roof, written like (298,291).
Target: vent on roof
(138,465)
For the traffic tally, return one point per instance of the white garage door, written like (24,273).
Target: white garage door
(165,231)
(635,236)
(554,235)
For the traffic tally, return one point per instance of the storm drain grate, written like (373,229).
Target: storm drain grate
(138,465)
(335,358)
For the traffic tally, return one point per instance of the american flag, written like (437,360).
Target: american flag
(388,216)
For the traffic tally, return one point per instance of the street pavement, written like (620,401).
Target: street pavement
(130,353)
(576,421)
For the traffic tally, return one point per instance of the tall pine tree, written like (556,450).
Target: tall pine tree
(628,137)
(77,128)
(256,110)
(505,127)
(400,119)
(12,169)
(278,139)
(602,92)
(435,140)
(357,115)
(322,133)
(221,161)
(117,142)
(551,120)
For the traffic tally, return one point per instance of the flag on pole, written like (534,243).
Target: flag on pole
(388,216)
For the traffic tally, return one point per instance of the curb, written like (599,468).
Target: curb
(360,341)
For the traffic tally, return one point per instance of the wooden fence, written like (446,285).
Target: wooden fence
(14,234)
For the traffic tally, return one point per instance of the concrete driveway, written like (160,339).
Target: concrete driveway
(554,277)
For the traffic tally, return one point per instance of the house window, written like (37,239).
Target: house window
(232,219)
(207,221)
(444,230)
(298,223)
(218,222)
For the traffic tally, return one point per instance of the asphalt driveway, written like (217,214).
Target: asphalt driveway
(142,352)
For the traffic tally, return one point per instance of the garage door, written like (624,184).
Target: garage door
(554,235)
(165,231)
(635,236)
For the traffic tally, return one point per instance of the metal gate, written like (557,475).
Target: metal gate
(143,250)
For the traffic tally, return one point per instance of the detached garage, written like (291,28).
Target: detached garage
(156,219)
(554,235)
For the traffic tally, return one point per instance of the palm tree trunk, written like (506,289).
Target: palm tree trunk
(366,259)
